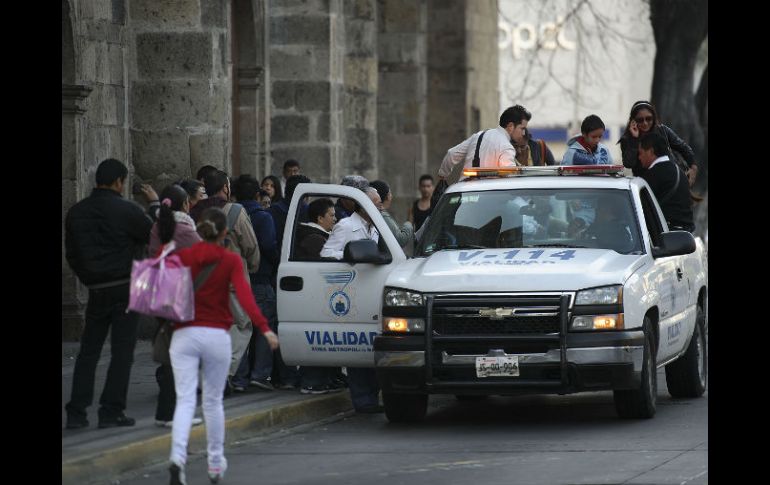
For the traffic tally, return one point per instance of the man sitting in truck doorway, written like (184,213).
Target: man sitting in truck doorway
(362,381)
(496,148)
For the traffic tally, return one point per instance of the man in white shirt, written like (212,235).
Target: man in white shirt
(496,149)
(362,381)
(357,226)
(290,167)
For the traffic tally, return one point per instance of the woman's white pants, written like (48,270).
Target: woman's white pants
(208,348)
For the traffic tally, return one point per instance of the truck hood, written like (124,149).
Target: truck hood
(530,269)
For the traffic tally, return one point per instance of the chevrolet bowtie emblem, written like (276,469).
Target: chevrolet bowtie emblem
(496,313)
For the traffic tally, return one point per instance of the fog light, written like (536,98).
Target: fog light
(597,322)
(397,324)
(403,325)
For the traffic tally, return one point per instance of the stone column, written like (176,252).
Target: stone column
(306,50)
(180,94)
(402,98)
(73,295)
(360,90)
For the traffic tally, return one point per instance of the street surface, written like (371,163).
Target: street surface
(575,439)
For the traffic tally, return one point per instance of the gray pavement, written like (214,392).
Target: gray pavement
(532,440)
(93,455)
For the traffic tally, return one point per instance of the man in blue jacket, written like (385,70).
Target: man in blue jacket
(104,233)
(257,362)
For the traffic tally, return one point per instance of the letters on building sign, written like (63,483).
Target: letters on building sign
(523,36)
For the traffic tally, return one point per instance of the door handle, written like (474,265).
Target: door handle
(291,283)
(679,274)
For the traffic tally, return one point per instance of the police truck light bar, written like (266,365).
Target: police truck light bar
(549,170)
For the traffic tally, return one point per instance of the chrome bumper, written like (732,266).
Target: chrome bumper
(585,355)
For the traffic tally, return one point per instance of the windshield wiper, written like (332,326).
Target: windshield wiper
(456,246)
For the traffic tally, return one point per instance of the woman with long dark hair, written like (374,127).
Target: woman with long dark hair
(644,119)
(174,224)
(272,185)
(206,340)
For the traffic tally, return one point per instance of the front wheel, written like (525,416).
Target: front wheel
(688,375)
(405,408)
(641,403)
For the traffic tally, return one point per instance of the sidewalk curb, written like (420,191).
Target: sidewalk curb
(116,461)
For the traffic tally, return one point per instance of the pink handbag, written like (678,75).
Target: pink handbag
(162,287)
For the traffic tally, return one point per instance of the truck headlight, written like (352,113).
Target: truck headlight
(605,295)
(597,322)
(399,297)
(403,325)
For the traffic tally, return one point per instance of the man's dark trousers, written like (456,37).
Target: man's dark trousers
(106,308)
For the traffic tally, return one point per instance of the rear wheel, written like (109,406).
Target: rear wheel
(688,375)
(405,408)
(641,403)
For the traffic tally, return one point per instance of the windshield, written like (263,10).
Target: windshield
(532,218)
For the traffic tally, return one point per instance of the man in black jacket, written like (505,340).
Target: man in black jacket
(667,182)
(104,233)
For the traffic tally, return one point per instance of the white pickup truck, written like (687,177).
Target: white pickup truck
(543,280)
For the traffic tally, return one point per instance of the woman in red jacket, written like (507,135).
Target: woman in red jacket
(206,340)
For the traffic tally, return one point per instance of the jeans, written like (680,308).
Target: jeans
(106,311)
(257,361)
(190,347)
(364,387)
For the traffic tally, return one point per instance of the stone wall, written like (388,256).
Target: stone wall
(181,86)
(402,98)
(306,48)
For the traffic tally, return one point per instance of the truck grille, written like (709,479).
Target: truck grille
(496,316)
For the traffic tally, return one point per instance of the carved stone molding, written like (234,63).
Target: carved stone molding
(73,98)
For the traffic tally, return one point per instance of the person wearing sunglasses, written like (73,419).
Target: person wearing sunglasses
(644,119)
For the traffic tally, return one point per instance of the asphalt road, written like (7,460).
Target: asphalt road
(574,439)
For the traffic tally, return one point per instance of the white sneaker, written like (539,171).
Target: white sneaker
(217,472)
(170,424)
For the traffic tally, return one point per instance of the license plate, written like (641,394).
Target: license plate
(497,366)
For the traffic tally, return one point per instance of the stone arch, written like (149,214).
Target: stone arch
(248,62)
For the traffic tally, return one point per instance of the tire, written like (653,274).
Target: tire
(688,375)
(641,403)
(405,408)
(470,397)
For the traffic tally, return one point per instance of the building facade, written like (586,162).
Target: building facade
(380,88)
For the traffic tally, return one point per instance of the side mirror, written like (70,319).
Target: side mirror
(674,243)
(364,251)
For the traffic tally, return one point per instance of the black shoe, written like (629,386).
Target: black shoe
(121,420)
(177,475)
(371,409)
(76,422)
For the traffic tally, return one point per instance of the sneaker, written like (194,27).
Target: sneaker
(170,424)
(264,384)
(314,390)
(217,472)
(239,388)
(177,474)
(286,386)
(76,422)
(120,420)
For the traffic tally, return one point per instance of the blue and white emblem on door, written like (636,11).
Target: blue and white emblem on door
(339,303)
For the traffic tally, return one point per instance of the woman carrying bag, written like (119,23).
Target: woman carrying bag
(206,340)
(175,205)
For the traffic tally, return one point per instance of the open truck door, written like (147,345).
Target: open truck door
(329,311)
